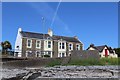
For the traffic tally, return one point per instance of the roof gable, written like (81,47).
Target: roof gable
(100,48)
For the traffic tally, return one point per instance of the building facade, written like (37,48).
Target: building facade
(104,51)
(30,44)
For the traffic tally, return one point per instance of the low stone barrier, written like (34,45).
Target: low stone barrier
(32,62)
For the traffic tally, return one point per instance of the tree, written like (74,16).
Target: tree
(6,45)
(117,50)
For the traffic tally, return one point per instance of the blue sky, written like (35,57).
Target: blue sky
(92,22)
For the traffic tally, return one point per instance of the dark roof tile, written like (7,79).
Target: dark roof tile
(54,37)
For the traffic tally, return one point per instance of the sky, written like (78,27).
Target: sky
(91,22)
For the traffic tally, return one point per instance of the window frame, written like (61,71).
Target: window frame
(70,47)
(60,46)
(27,53)
(49,45)
(60,54)
(37,44)
(30,43)
(78,48)
(63,45)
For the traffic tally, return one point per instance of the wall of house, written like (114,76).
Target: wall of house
(91,48)
(18,42)
(55,48)
(33,48)
(103,52)
(24,41)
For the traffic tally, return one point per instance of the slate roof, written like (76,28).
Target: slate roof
(100,48)
(33,35)
(45,36)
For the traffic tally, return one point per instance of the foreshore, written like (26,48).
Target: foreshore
(69,72)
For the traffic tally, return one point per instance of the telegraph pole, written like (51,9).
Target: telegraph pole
(43,25)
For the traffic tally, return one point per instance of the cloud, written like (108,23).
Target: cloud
(51,15)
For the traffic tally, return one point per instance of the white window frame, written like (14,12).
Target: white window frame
(78,48)
(27,53)
(36,53)
(30,43)
(39,44)
(49,44)
(70,46)
(60,54)
(60,45)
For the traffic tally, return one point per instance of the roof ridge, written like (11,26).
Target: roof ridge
(32,32)
(100,46)
(65,36)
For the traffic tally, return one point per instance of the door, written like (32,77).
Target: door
(106,53)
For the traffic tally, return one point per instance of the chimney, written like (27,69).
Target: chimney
(75,37)
(20,29)
(50,32)
(91,45)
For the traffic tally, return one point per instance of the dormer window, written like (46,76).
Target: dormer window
(48,38)
(29,43)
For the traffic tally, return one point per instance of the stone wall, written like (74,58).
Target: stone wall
(85,54)
(31,62)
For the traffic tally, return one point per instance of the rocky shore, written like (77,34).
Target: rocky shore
(61,72)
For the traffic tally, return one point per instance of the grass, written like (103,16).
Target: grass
(86,62)
(54,63)
(102,61)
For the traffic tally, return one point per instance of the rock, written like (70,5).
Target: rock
(34,76)
(20,76)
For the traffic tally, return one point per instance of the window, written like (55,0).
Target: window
(48,38)
(38,54)
(61,45)
(38,44)
(61,54)
(49,44)
(28,53)
(70,47)
(77,47)
(29,43)
(49,53)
